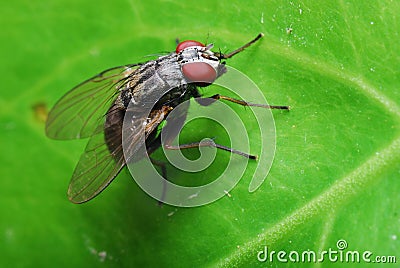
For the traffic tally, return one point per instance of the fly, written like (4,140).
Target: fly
(96,109)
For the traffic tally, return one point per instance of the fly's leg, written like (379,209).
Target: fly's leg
(175,125)
(161,165)
(210,100)
(208,144)
(207,102)
(163,168)
(155,118)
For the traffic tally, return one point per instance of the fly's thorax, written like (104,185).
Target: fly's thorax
(151,81)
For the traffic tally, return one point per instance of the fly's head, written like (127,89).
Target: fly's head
(199,64)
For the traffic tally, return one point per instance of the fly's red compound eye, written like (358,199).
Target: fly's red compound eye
(188,43)
(199,72)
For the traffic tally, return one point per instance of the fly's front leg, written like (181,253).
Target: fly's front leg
(210,100)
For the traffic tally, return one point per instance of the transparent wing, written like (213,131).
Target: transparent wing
(104,158)
(80,112)
(96,169)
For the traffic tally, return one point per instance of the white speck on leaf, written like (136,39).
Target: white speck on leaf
(102,255)
(227,193)
(172,213)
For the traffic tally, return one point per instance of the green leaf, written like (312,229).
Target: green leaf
(336,168)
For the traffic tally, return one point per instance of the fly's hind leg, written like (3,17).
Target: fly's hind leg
(151,147)
(153,142)
(208,143)
(163,168)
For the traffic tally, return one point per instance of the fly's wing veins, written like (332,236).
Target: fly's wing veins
(95,170)
(81,112)
(98,166)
